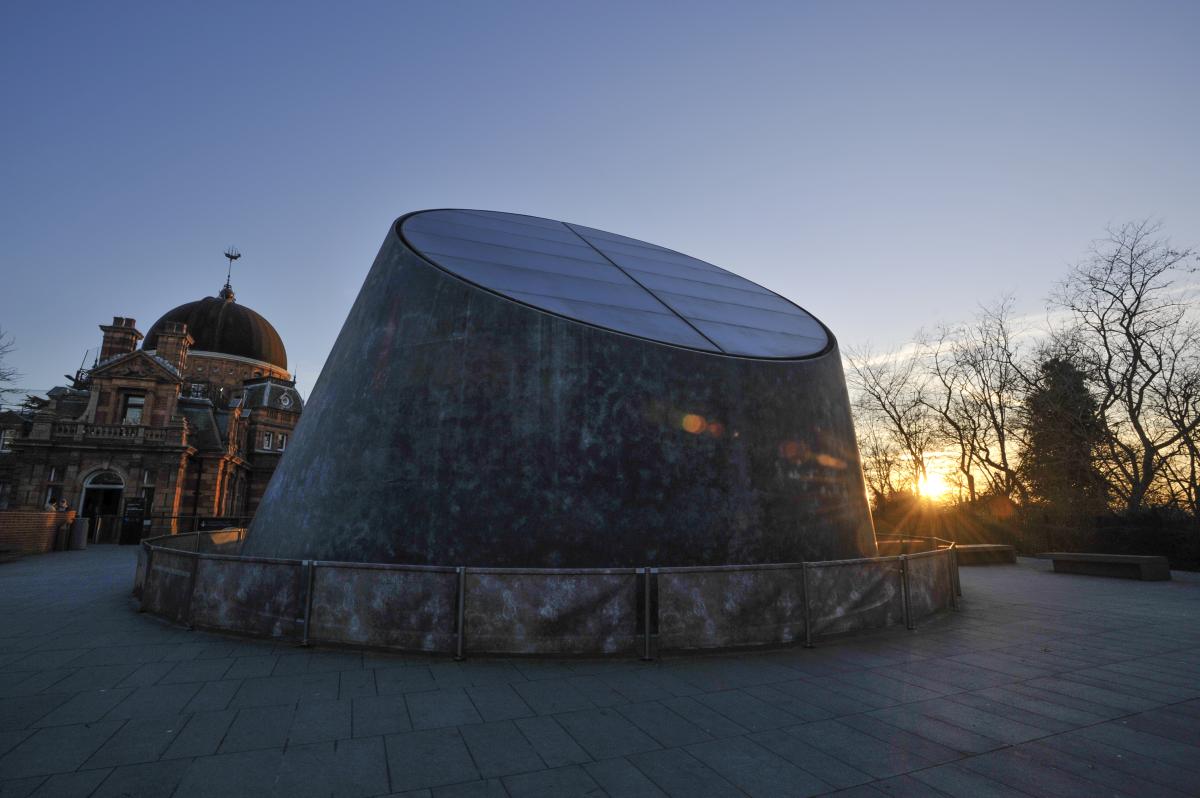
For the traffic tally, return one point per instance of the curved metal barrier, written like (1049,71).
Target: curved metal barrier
(200,579)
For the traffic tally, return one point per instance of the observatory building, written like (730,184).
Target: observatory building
(181,432)
(512,391)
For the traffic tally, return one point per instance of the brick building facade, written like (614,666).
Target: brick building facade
(193,421)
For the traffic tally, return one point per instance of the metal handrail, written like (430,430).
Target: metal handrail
(903,537)
(648,617)
(486,569)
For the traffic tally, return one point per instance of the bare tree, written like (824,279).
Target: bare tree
(974,389)
(945,394)
(8,374)
(1179,400)
(1130,320)
(881,461)
(995,382)
(888,389)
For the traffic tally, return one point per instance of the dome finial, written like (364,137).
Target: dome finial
(227,292)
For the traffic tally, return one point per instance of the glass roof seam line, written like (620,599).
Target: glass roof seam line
(723,302)
(532,269)
(716,346)
(766,293)
(707,267)
(590,302)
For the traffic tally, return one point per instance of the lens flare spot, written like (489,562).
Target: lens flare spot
(694,424)
(829,461)
(791,450)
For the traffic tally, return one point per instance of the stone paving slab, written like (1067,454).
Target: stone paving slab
(1043,684)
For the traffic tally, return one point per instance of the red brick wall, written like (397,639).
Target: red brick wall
(31,531)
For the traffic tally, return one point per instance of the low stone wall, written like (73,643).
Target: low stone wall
(31,531)
(732,606)
(854,595)
(194,579)
(414,609)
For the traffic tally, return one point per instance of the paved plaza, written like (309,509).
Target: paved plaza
(1043,684)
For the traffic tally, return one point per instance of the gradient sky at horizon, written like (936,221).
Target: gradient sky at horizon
(885,165)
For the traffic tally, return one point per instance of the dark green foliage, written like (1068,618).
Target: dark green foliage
(1063,432)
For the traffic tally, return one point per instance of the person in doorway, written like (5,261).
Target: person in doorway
(63,505)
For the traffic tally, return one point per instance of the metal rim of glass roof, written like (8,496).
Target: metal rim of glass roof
(614,282)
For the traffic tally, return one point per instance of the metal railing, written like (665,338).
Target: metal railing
(202,580)
(168,524)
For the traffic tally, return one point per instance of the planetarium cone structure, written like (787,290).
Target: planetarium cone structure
(515,391)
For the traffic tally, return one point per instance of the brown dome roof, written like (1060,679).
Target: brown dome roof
(221,325)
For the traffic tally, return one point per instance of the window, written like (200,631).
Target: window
(53,494)
(132,412)
(53,474)
(5,492)
(268,440)
(6,439)
(282,441)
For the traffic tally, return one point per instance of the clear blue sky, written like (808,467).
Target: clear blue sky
(886,165)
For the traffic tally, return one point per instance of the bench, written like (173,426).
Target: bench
(985,554)
(1124,566)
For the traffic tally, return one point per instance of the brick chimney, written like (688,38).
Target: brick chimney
(120,338)
(173,344)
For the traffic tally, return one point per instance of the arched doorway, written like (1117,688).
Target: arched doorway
(101,503)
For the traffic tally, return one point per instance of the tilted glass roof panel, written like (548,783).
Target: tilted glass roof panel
(581,265)
(660,283)
(755,341)
(666,327)
(657,254)
(537,281)
(678,271)
(513,218)
(498,232)
(591,232)
(614,282)
(695,309)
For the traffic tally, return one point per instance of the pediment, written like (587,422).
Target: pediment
(138,365)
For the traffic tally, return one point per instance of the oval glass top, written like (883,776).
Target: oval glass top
(614,282)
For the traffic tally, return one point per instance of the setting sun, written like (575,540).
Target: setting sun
(934,486)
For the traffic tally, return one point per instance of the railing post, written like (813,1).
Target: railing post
(647,652)
(957,582)
(952,575)
(908,623)
(808,635)
(191,595)
(310,568)
(462,614)
(146,578)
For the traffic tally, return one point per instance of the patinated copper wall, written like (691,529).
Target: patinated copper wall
(455,426)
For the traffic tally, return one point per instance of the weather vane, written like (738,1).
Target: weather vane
(231,254)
